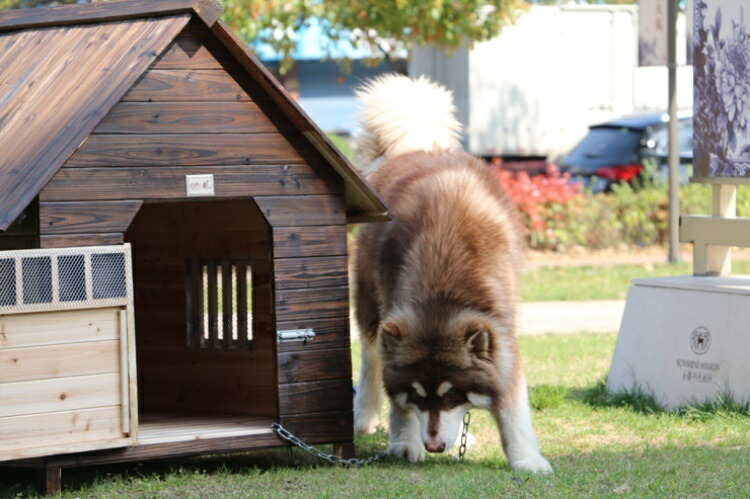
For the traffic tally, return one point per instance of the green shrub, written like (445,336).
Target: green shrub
(634,214)
(695,199)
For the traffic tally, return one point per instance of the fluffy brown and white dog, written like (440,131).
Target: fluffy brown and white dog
(436,288)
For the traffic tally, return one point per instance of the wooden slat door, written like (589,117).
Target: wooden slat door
(67,368)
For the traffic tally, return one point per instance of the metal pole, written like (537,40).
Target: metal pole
(674,156)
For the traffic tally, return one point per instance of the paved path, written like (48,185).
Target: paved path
(600,316)
(564,317)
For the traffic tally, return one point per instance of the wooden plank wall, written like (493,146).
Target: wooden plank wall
(194,111)
(312,291)
(175,378)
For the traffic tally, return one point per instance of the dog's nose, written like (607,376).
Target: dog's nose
(434,446)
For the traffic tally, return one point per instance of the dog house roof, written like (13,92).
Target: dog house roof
(64,68)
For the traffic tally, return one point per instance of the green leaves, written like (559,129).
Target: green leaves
(382,26)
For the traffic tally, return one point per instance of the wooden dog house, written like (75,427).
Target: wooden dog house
(173,234)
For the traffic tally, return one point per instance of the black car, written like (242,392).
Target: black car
(615,151)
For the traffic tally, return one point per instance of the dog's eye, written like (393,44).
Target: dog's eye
(453,398)
(415,398)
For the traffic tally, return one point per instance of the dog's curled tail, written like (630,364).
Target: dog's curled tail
(399,115)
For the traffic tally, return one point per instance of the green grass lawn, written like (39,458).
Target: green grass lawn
(598,446)
(598,282)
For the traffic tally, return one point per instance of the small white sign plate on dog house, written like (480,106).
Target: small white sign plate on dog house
(199,185)
(684,339)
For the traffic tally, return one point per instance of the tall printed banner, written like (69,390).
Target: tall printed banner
(721,89)
(652,33)
(689,21)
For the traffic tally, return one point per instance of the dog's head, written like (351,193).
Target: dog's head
(438,365)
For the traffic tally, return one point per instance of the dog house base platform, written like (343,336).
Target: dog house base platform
(160,429)
(184,437)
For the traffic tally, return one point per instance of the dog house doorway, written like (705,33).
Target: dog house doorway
(205,347)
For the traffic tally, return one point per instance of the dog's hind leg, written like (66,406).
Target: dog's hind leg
(406,442)
(513,418)
(369,398)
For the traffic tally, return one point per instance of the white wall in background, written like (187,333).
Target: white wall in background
(536,88)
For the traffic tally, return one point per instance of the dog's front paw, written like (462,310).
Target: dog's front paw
(411,451)
(534,464)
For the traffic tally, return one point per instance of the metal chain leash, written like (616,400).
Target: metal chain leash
(285,434)
(464,436)
(331,458)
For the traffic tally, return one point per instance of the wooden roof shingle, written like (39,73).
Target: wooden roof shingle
(116,10)
(56,85)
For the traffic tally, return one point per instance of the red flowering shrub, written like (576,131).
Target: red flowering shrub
(557,214)
(545,204)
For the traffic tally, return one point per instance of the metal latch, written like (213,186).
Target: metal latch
(295,335)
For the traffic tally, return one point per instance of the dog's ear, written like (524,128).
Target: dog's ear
(390,335)
(478,342)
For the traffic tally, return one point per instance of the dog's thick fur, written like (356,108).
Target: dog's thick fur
(402,115)
(436,288)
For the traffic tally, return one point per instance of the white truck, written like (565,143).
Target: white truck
(532,92)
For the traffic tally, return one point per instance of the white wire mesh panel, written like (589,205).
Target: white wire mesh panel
(62,279)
